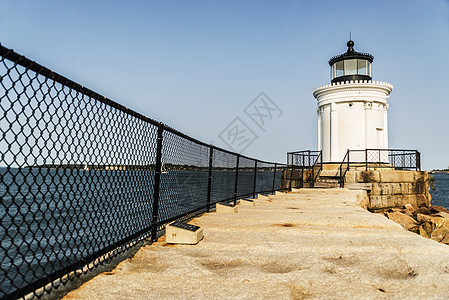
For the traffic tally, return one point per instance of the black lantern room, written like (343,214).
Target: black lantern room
(351,65)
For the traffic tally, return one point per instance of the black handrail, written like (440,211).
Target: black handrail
(343,170)
(317,168)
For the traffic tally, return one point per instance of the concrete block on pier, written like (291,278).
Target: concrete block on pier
(183,233)
(226,208)
(262,197)
(247,202)
(359,186)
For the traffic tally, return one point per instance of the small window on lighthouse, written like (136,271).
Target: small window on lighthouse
(339,69)
(361,67)
(350,105)
(350,67)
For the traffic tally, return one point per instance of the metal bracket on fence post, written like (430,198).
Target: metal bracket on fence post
(157,181)
(209,180)
(274,177)
(236,179)
(255,178)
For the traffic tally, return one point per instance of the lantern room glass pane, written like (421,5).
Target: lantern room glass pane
(350,66)
(339,69)
(369,70)
(362,67)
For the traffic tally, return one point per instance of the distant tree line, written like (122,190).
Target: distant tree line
(440,170)
(165,167)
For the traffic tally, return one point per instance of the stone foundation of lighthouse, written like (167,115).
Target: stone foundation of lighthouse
(352,115)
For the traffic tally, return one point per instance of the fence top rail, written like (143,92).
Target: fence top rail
(304,152)
(41,70)
(390,150)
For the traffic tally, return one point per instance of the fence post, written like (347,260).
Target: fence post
(274,177)
(309,159)
(366,159)
(341,171)
(418,161)
(391,159)
(291,177)
(302,177)
(157,181)
(303,167)
(349,158)
(236,179)
(379,159)
(312,171)
(255,179)
(209,180)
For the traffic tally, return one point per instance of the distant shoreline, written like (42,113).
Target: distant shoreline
(150,167)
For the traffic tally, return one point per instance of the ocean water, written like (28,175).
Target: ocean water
(441,194)
(51,218)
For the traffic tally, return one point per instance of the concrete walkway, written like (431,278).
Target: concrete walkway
(312,244)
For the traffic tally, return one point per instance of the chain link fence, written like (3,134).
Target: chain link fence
(83,178)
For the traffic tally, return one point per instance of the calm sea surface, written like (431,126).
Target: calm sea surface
(441,195)
(50,219)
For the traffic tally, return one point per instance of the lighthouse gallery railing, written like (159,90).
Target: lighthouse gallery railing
(308,162)
(83,178)
(370,159)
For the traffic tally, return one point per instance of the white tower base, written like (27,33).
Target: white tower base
(352,115)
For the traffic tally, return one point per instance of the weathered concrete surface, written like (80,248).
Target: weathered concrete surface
(311,244)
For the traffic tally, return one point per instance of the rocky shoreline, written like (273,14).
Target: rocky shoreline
(430,222)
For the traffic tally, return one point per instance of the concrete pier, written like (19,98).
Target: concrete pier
(317,244)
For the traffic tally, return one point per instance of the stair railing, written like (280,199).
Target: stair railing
(317,167)
(344,167)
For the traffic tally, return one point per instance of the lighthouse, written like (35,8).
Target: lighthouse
(352,109)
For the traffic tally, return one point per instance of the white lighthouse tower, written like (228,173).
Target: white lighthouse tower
(352,109)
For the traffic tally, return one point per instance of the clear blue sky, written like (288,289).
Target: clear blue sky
(196,65)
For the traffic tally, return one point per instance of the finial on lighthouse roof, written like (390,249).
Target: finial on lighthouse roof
(350,45)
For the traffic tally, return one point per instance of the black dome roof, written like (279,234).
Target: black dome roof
(351,53)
